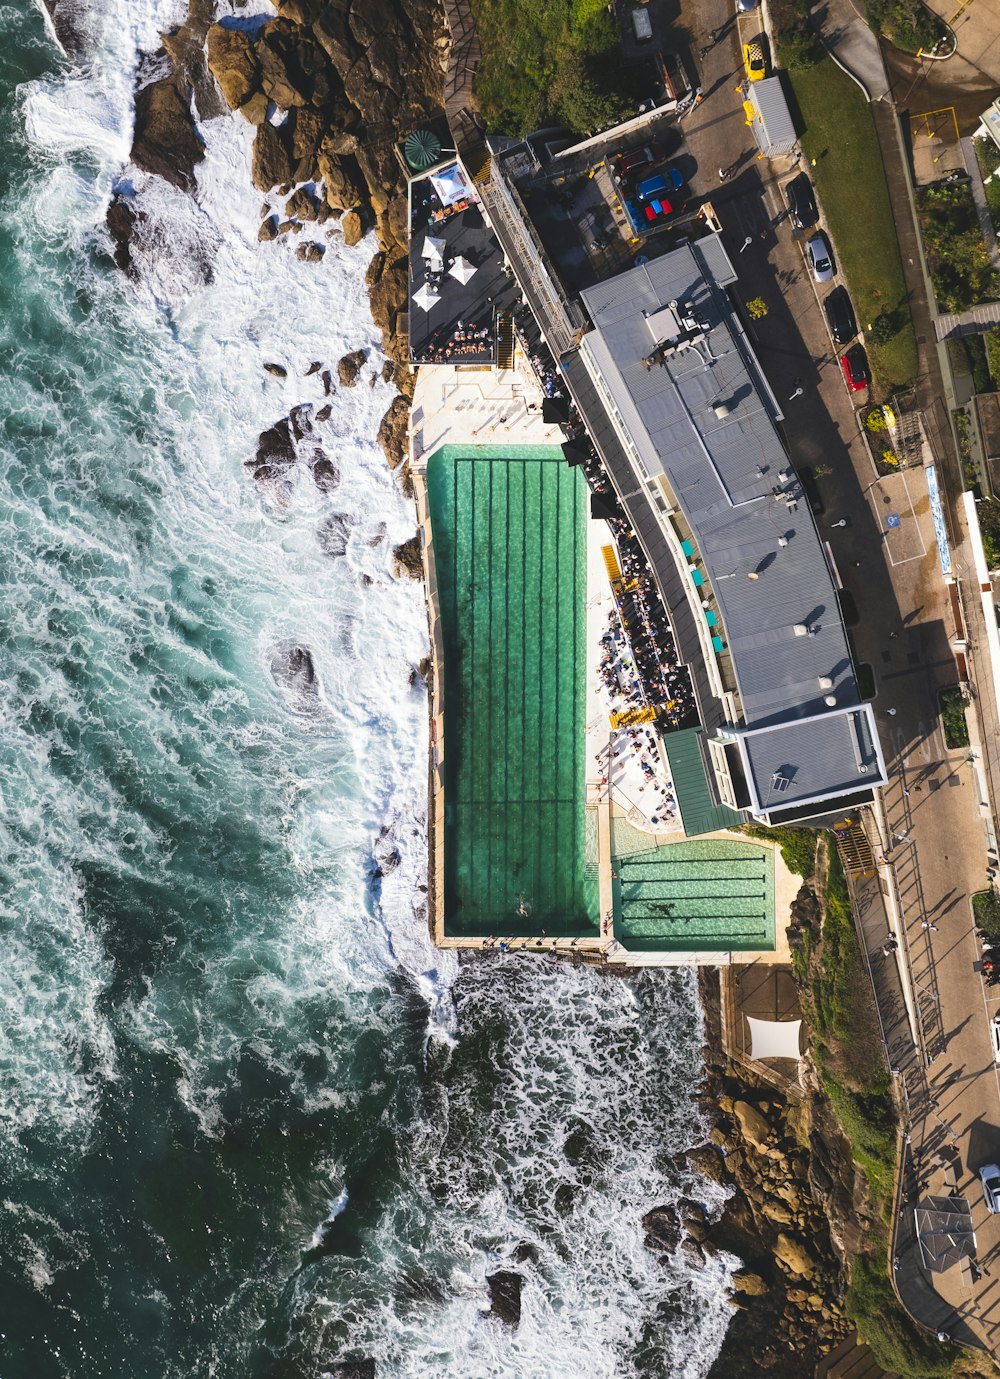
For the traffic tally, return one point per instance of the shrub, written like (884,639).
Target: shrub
(894,1339)
(757,308)
(992,340)
(885,325)
(800,47)
(875,420)
(986,908)
(890,458)
(959,258)
(956,729)
(798,846)
(988,512)
(906,23)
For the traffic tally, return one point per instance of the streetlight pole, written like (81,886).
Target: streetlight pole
(746,243)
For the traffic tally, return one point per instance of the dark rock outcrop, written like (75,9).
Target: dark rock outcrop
(393,429)
(350,366)
(164,139)
(121,221)
(407,559)
(505,1296)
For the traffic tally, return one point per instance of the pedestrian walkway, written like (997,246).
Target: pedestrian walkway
(985,316)
(852,45)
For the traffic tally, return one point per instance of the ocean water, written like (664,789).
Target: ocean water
(251,1123)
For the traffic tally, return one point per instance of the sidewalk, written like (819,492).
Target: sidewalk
(852,45)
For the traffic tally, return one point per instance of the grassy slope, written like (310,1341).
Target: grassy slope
(840,135)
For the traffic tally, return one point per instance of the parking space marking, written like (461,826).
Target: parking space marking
(904,540)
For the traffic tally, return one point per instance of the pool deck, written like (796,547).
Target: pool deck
(485,406)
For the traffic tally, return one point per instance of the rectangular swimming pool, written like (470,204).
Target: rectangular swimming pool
(509,539)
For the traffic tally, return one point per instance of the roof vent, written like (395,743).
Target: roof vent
(800,630)
(830,701)
(825,682)
(782,541)
(721,409)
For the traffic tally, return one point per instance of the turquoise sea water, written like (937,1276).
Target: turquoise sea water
(251,1123)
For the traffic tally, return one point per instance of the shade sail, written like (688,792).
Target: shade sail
(462,269)
(774,1038)
(944,1232)
(426,297)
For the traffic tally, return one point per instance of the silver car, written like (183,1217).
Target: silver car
(820,258)
(990,1175)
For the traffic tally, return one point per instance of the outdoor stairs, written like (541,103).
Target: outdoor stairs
(505,340)
(482,170)
(852,1360)
(855,849)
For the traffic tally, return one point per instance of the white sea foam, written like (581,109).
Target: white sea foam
(144,633)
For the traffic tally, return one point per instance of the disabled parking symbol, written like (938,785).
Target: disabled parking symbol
(892,520)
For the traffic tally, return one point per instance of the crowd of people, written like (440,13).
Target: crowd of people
(465,339)
(633,746)
(536,350)
(664,681)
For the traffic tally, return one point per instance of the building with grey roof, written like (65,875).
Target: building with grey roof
(676,402)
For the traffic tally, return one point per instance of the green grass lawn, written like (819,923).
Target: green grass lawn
(840,135)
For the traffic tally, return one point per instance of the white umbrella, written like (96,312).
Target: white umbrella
(462,269)
(434,249)
(426,297)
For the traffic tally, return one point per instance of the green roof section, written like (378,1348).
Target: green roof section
(508,528)
(699,812)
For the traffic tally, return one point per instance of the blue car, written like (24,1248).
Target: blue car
(661,182)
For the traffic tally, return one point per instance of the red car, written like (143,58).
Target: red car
(639,158)
(855,366)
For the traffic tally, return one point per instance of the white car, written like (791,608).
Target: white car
(995,1036)
(820,258)
(990,1176)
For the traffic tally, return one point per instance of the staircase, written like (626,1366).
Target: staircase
(851,1360)
(854,848)
(505,340)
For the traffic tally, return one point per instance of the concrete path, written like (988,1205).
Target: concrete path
(852,45)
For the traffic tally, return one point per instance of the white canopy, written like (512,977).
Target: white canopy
(434,249)
(462,269)
(426,297)
(774,1038)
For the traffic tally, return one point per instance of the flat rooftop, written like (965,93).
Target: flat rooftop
(457,282)
(809,759)
(508,530)
(703,416)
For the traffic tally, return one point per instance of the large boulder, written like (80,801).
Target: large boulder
(342,180)
(350,366)
(233,63)
(164,139)
(392,431)
(505,1296)
(272,161)
(749,1283)
(754,1127)
(407,560)
(294,69)
(792,1253)
(353,228)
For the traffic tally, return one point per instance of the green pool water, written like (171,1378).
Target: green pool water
(509,537)
(696,895)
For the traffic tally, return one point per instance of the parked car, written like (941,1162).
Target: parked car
(990,1176)
(746,6)
(995,1036)
(820,258)
(855,366)
(801,202)
(840,316)
(641,25)
(662,182)
(754,61)
(638,158)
